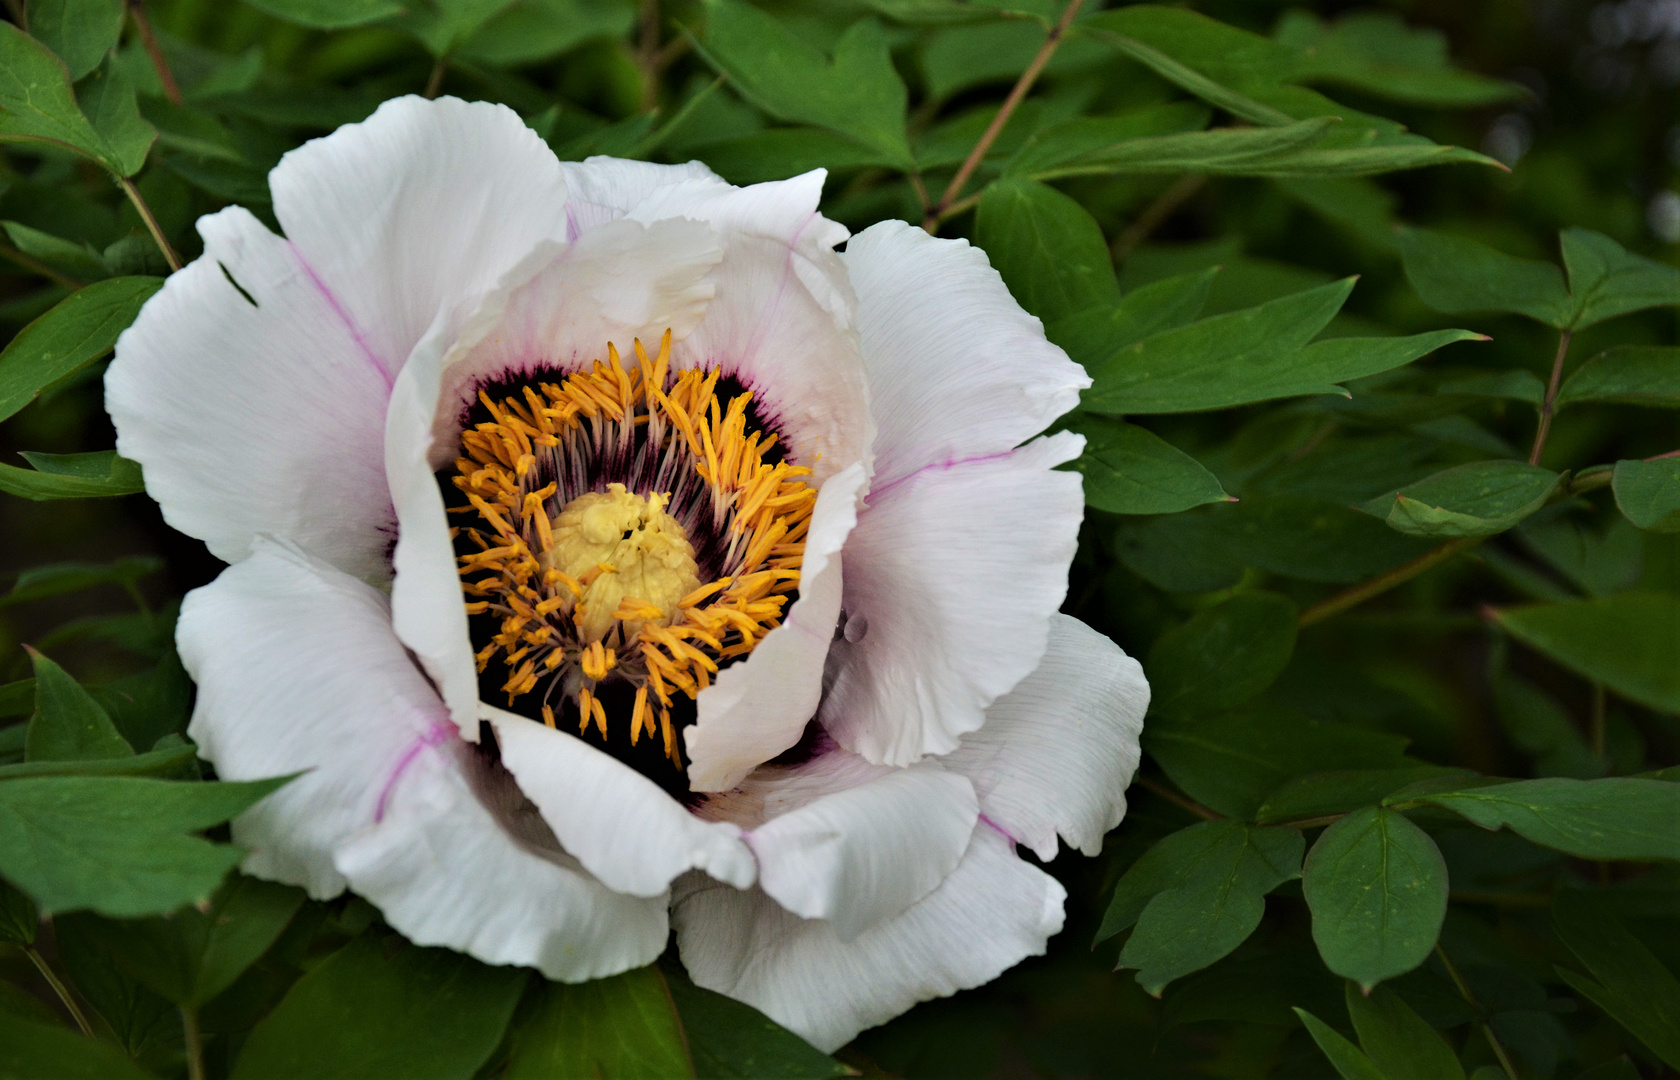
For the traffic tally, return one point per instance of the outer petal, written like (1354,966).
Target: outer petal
(956,369)
(952,575)
(444,870)
(989,914)
(601,189)
(620,825)
(866,849)
(759,706)
(1057,751)
(255,412)
(416,211)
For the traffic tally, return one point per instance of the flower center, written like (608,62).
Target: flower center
(627,533)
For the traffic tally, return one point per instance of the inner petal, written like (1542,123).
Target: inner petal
(625,532)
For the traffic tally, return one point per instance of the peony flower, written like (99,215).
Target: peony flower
(609,553)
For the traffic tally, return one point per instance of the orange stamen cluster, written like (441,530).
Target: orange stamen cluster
(673,439)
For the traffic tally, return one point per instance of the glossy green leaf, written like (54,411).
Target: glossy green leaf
(1198,896)
(118,845)
(1627,375)
(82,262)
(1188,78)
(40,582)
(1048,248)
(1095,334)
(1070,140)
(81,32)
(1222,656)
(1374,52)
(1627,981)
(730,1040)
(1514,384)
(1347,1059)
(1222,52)
(140,1019)
(108,100)
(1479,499)
(68,725)
(1455,275)
(382,1007)
(36,102)
(1627,642)
(531,31)
(1648,493)
(80,328)
(625,1025)
(1599,558)
(1607,280)
(72,476)
(1231,151)
(778,152)
(29,1049)
(1131,470)
(328,14)
(1340,791)
(856,92)
(1398,1041)
(1233,761)
(167,763)
(1377,888)
(1618,817)
(18,917)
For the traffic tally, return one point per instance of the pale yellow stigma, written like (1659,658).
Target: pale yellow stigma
(620,546)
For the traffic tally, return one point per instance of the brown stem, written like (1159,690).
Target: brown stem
(1547,406)
(195,1043)
(1386,581)
(36,266)
(1664,457)
(148,41)
(152,226)
(59,988)
(1165,205)
(434,81)
(920,187)
(1176,799)
(20,14)
(1052,42)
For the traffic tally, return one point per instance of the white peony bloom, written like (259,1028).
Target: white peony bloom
(760,553)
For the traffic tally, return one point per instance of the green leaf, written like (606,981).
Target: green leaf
(1188,78)
(329,14)
(1048,248)
(1398,1041)
(40,582)
(1096,334)
(626,1025)
(81,261)
(192,955)
(1340,791)
(140,1019)
(1231,56)
(68,725)
(72,476)
(1514,384)
(17,698)
(1628,982)
(1606,280)
(532,31)
(1193,917)
(1628,642)
(1627,375)
(1373,51)
(1348,1060)
(1648,493)
(1131,470)
(168,763)
(36,102)
(442,26)
(1478,499)
(18,917)
(1221,151)
(117,845)
(1455,275)
(1231,762)
(781,152)
(108,100)
(1618,817)
(1222,656)
(1540,727)
(1377,888)
(81,32)
(730,1040)
(1598,561)
(79,329)
(385,1008)
(1067,141)
(29,1049)
(857,92)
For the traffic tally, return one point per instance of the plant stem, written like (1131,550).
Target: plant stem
(1176,799)
(1052,42)
(152,226)
(1386,581)
(148,40)
(36,266)
(1157,212)
(59,988)
(195,1044)
(1487,1031)
(1547,406)
(434,81)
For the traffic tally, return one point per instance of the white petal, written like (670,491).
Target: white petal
(991,912)
(956,369)
(259,415)
(602,189)
(1057,751)
(298,671)
(867,848)
(444,871)
(759,706)
(783,209)
(417,211)
(952,575)
(620,825)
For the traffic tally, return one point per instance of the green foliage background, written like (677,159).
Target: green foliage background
(1402,553)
